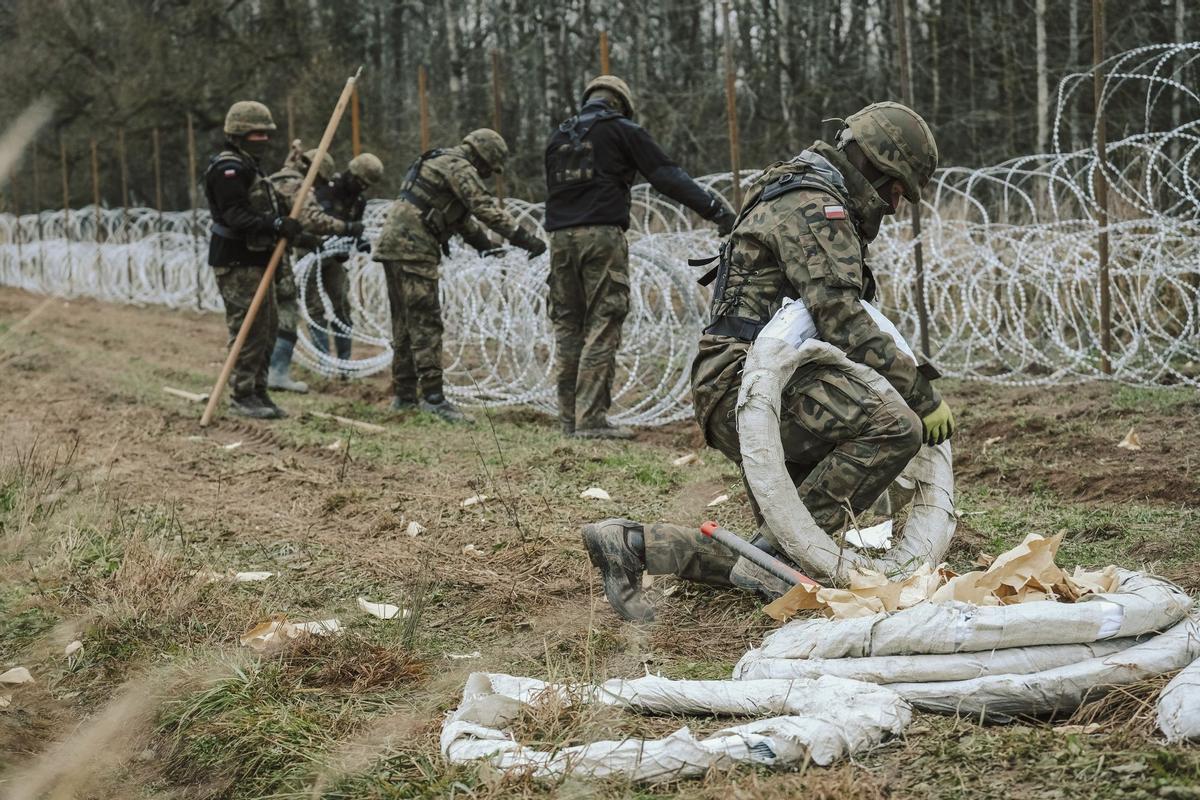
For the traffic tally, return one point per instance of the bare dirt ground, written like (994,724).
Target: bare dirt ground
(112,497)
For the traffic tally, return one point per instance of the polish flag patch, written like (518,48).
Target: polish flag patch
(229,173)
(835,212)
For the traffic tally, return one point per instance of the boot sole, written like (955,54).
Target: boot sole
(591,542)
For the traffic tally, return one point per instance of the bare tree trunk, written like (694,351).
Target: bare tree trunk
(783,42)
(1073,115)
(935,25)
(455,63)
(1043,79)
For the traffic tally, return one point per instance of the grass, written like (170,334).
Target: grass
(100,542)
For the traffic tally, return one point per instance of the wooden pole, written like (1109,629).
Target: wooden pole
(16,210)
(1101,186)
(66,190)
(355,140)
(158,205)
(604,65)
(496,106)
(96,191)
(906,94)
(125,207)
(277,254)
(37,207)
(291,118)
(735,159)
(423,106)
(194,200)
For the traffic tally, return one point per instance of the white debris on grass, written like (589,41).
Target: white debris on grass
(684,460)
(595,493)
(1131,441)
(278,630)
(231,446)
(414,529)
(475,500)
(381,610)
(463,656)
(472,550)
(718,500)
(72,648)
(876,537)
(16,675)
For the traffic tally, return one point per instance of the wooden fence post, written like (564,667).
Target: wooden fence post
(604,65)
(423,107)
(66,190)
(125,208)
(194,200)
(906,94)
(735,159)
(158,205)
(496,105)
(1102,187)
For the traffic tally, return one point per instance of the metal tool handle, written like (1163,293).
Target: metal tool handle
(737,544)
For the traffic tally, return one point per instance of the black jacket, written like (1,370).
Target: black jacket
(589,184)
(239,229)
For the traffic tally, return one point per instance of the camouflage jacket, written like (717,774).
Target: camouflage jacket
(313,216)
(808,243)
(448,198)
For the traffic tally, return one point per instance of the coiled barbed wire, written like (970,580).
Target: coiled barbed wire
(1011,268)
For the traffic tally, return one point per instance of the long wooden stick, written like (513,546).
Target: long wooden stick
(277,254)
(1102,187)
(423,107)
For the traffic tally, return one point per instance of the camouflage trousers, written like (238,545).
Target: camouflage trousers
(589,299)
(416,329)
(335,282)
(844,440)
(287,300)
(237,286)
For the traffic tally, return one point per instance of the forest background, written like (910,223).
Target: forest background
(984,74)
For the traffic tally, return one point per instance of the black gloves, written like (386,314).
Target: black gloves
(722,215)
(528,242)
(363,246)
(307,241)
(287,228)
(354,229)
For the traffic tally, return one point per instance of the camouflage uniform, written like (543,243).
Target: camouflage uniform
(588,300)
(592,160)
(442,195)
(244,206)
(316,221)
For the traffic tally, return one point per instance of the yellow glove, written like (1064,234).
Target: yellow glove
(939,424)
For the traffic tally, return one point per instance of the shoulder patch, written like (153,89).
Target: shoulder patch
(835,212)
(230,172)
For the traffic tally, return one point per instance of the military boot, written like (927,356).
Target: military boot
(344,345)
(440,405)
(250,407)
(617,549)
(276,411)
(319,337)
(605,430)
(751,577)
(281,365)
(403,403)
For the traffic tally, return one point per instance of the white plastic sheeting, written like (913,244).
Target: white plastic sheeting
(821,720)
(1179,706)
(995,661)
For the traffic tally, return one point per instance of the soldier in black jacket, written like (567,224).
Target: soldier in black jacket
(592,161)
(248,219)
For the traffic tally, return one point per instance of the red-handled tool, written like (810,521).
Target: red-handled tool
(737,544)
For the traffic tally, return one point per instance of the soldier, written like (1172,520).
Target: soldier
(442,195)
(591,161)
(315,223)
(247,221)
(344,198)
(802,234)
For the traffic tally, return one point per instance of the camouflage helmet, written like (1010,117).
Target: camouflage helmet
(898,142)
(367,168)
(246,116)
(489,146)
(327,168)
(615,85)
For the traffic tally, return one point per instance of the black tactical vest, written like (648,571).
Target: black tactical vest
(573,162)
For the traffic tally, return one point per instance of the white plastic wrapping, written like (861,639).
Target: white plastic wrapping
(1142,604)
(823,720)
(1062,688)
(923,668)
(769,365)
(1179,705)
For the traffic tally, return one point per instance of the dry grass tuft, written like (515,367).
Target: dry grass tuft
(1125,710)
(349,663)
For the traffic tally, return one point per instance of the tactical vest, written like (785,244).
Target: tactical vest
(808,170)
(441,210)
(262,197)
(573,163)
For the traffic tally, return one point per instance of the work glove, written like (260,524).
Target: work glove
(939,424)
(363,246)
(307,241)
(287,228)
(354,229)
(528,242)
(721,215)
